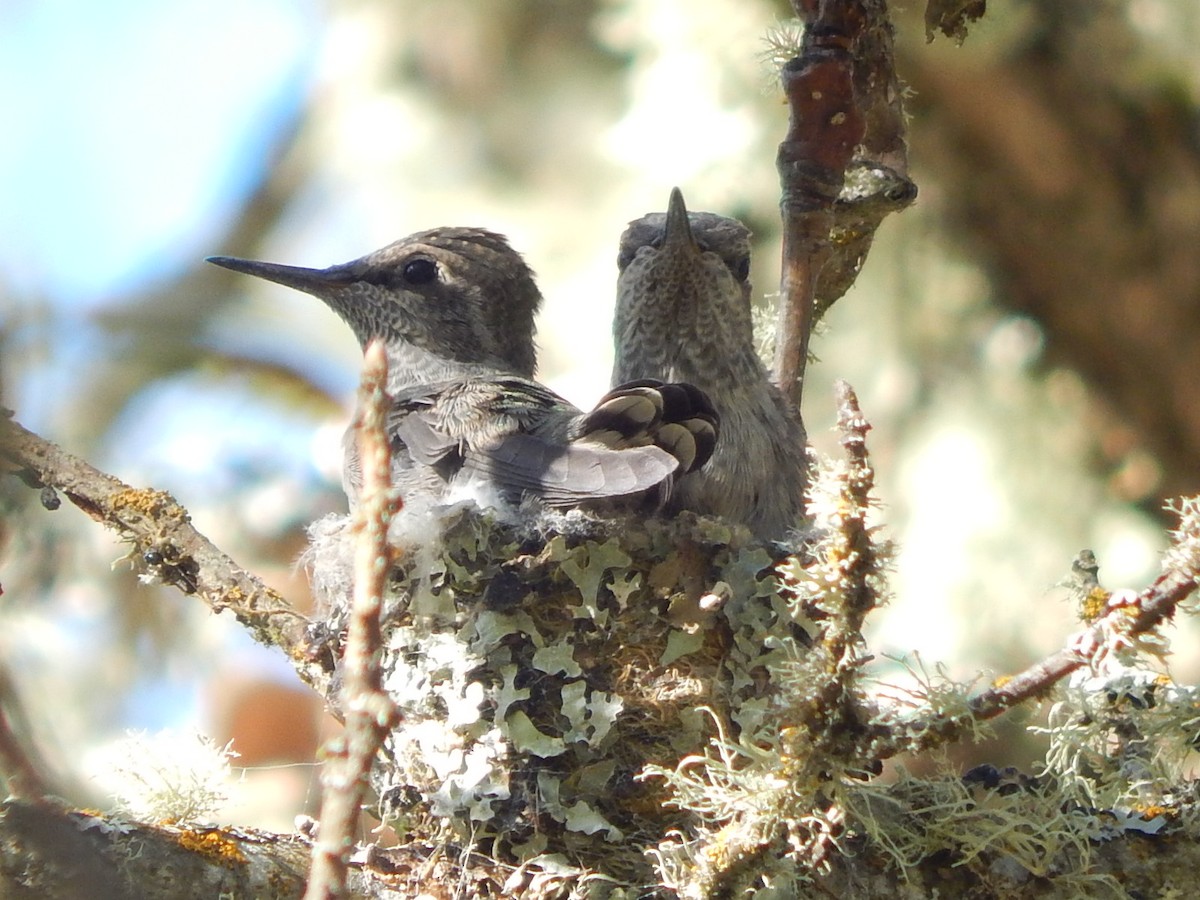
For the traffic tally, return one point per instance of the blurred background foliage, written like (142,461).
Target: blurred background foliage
(1024,339)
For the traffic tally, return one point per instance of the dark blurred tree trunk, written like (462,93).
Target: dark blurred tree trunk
(1075,176)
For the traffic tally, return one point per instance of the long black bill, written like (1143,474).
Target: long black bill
(677,230)
(311,281)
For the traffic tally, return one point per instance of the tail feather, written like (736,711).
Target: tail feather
(677,417)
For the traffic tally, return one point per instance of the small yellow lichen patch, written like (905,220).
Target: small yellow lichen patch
(213,845)
(1153,810)
(155,504)
(1094,605)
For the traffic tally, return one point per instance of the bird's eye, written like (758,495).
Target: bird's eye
(420,270)
(741,268)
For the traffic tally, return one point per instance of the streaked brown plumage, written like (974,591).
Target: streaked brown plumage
(683,314)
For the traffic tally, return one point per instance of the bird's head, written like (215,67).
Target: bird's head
(683,299)
(684,261)
(458,293)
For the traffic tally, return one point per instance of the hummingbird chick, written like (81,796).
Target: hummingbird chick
(454,308)
(683,314)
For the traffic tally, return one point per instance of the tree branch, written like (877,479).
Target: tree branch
(843,165)
(167,546)
(1138,616)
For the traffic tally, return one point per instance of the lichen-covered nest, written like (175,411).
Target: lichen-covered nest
(540,668)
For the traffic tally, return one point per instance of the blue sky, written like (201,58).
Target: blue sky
(132,132)
(132,129)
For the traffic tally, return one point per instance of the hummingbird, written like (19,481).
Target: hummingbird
(454,308)
(683,313)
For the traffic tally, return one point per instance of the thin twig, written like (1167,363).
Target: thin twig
(166,543)
(1153,606)
(854,552)
(835,713)
(370,714)
(861,566)
(1148,610)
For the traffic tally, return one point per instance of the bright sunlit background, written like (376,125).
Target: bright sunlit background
(143,136)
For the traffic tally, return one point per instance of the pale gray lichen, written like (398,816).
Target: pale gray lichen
(179,777)
(1123,739)
(1025,825)
(540,669)
(1184,553)
(659,702)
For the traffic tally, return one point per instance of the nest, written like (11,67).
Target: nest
(540,669)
